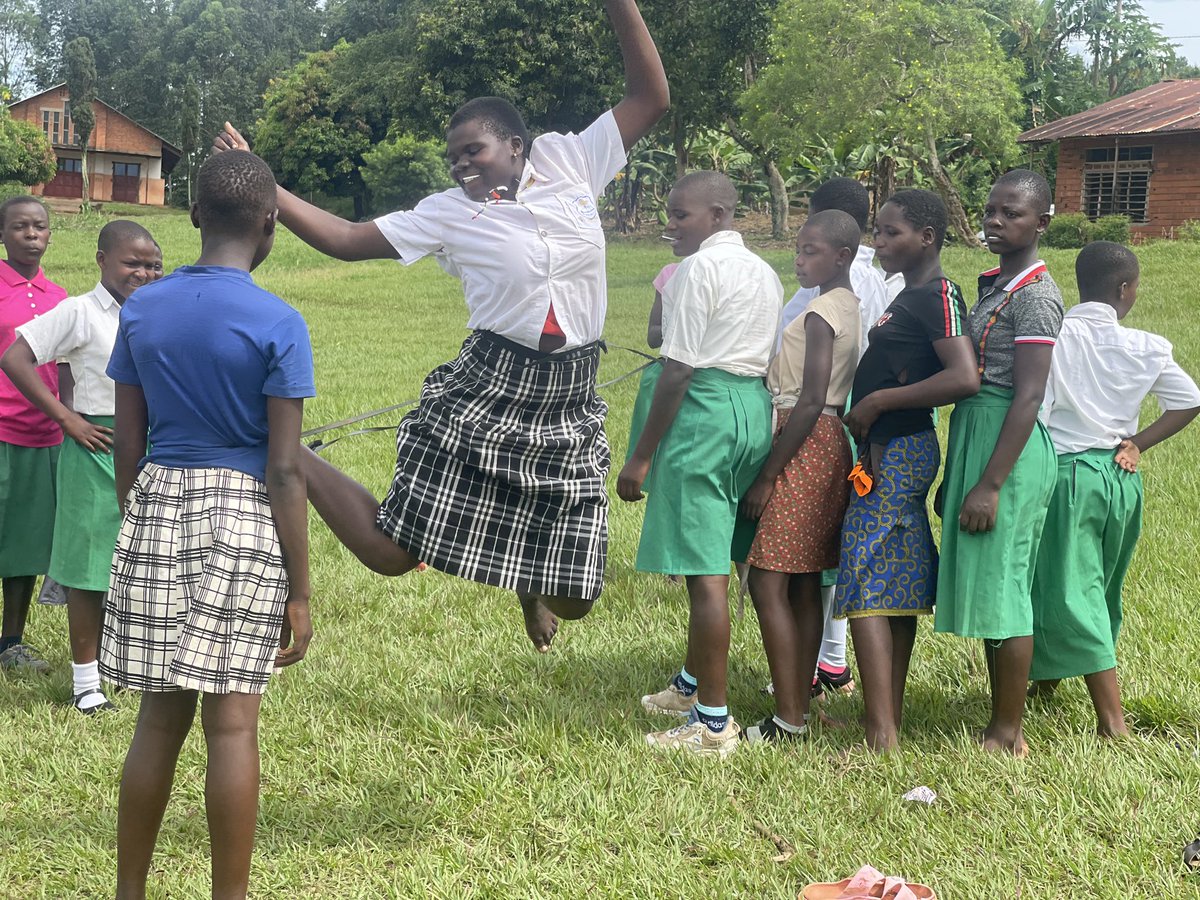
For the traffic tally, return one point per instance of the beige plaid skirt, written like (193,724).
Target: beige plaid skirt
(197,593)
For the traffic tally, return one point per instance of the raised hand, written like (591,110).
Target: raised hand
(229,138)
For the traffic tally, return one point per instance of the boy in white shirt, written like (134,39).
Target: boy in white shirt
(81,331)
(708,433)
(1100,374)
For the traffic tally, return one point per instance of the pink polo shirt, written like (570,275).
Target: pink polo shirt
(23,299)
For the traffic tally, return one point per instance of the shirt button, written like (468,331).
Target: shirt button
(30,296)
(33,306)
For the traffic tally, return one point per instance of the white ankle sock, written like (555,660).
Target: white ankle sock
(87,677)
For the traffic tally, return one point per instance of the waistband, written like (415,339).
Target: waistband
(502,343)
(721,378)
(988,396)
(835,411)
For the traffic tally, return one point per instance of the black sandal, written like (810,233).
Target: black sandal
(92,710)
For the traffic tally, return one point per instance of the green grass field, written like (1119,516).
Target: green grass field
(424,750)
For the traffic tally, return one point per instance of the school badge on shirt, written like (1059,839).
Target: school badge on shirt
(583,208)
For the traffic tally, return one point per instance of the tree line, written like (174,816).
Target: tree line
(348,99)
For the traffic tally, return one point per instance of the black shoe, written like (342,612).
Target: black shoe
(829,681)
(768,732)
(92,710)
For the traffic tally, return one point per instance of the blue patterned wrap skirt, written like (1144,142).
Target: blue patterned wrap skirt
(888,564)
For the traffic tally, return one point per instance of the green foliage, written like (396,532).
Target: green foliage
(1073,230)
(81,85)
(1189,230)
(312,136)
(1067,231)
(1109,228)
(18,31)
(402,170)
(26,156)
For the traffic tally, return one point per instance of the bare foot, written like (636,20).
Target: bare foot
(540,624)
(1115,730)
(998,742)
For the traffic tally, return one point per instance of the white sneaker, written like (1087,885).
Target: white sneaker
(670,701)
(698,738)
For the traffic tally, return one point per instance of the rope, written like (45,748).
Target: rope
(318,446)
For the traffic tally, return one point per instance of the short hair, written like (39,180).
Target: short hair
(234,190)
(496,116)
(19,200)
(1100,268)
(1031,184)
(121,231)
(839,228)
(715,187)
(923,209)
(845,194)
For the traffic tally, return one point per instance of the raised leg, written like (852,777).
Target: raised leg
(543,612)
(164,720)
(231,788)
(349,510)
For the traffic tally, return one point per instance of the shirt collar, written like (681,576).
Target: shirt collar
(865,254)
(1096,312)
(102,294)
(722,237)
(13,278)
(529,177)
(1031,274)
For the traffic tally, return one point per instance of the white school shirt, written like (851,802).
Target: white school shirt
(721,308)
(868,285)
(80,331)
(1100,373)
(515,257)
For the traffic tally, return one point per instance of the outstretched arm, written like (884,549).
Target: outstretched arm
(647,97)
(323,231)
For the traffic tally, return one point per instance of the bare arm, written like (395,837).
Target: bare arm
(818,369)
(66,386)
(668,397)
(1031,367)
(958,379)
(20,365)
(131,424)
(321,230)
(1170,423)
(654,326)
(288,494)
(647,96)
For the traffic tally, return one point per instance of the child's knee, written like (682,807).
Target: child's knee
(568,607)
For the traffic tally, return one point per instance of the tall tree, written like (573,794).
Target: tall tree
(903,74)
(18,32)
(191,138)
(81,86)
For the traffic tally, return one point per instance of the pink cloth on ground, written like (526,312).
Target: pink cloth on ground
(864,883)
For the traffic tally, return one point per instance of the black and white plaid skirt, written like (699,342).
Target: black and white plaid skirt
(197,593)
(500,470)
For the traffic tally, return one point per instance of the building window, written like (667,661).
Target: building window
(51,124)
(128,170)
(68,137)
(1116,182)
(67,164)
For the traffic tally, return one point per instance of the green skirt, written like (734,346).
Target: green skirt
(88,519)
(705,463)
(26,509)
(1092,527)
(641,404)
(985,580)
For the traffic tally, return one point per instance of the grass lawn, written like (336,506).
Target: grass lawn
(424,750)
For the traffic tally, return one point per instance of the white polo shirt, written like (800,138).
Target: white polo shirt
(1099,375)
(80,331)
(517,256)
(869,287)
(721,308)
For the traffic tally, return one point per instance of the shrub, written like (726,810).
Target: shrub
(1189,230)
(1109,228)
(1067,232)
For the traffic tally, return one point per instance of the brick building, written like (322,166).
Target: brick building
(1137,156)
(126,162)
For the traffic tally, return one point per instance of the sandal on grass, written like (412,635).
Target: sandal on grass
(868,884)
(1191,855)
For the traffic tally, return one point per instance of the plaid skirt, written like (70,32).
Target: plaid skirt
(197,593)
(500,470)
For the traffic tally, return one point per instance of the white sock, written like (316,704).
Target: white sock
(86,678)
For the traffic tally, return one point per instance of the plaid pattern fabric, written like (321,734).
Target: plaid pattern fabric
(500,470)
(198,587)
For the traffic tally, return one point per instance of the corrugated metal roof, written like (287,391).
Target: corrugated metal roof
(1167,107)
